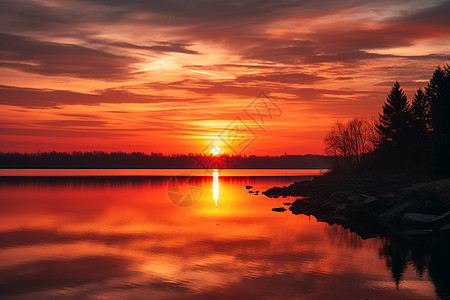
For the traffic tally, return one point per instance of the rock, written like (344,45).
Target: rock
(370,200)
(442,219)
(339,219)
(287,203)
(256,191)
(414,232)
(418,220)
(394,213)
(359,198)
(445,228)
(251,192)
(280,209)
(248,187)
(341,207)
(426,220)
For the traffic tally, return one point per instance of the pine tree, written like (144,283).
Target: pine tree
(420,112)
(396,118)
(438,95)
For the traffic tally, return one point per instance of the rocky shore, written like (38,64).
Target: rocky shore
(374,205)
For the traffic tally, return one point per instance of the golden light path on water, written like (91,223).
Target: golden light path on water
(215,188)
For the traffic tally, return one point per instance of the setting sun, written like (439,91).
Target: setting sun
(216,151)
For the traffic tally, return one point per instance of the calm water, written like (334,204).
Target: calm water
(162,237)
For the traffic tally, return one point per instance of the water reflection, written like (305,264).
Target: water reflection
(215,188)
(112,238)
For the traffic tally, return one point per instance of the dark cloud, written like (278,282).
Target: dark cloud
(406,83)
(434,15)
(31,16)
(81,116)
(29,97)
(46,58)
(56,132)
(290,78)
(243,66)
(309,51)
(74,123)
(163,47)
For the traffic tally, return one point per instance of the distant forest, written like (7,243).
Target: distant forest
(139,160)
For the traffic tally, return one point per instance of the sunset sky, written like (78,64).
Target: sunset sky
(170,76)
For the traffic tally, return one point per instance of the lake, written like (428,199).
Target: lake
(187,234)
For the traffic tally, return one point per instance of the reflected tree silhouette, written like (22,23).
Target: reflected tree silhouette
(396,259)
(429,253)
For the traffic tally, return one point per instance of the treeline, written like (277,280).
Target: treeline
(137,160)
(411,136)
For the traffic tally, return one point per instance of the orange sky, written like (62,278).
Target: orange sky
(170,76)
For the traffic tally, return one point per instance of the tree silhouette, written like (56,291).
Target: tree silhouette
(396,118)
(438,95)
(396,259)
(420,112)
(349,141)
(419,142)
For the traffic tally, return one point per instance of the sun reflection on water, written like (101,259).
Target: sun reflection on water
(215,189)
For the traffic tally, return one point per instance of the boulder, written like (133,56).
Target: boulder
(416,232)
(445,228)
(414,220)
(394,213)
(358,198)
(280,209)
(341,207)
(248,187)
(370,200)
(441,220)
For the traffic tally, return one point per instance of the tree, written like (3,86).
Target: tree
(420,112)
(348,141)
(438,95)
(396,118)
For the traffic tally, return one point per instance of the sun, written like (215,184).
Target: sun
(216,151)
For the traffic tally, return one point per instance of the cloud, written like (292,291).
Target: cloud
(74,123)
(162,47)
(48,58)
(291,78)
(432,15)
(407,83)
(97,133)
(17,96)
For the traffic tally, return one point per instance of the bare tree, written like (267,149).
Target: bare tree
(348,141)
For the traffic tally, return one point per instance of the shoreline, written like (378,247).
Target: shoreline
(373,205)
